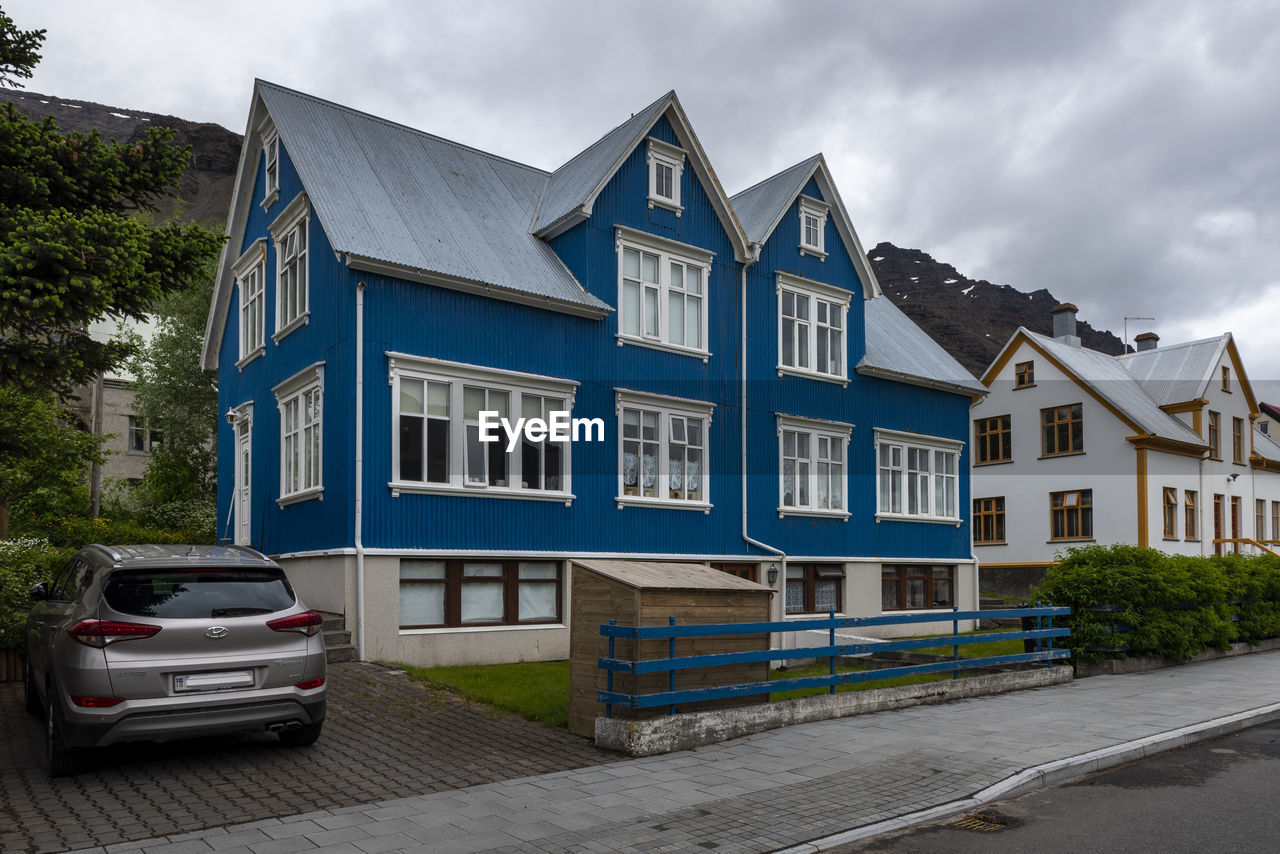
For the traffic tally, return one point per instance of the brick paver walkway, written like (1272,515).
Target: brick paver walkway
(774,789)
(386,736)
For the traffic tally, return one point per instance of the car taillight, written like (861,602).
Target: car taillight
(307,623)
(99,633)
(308,684)
(97,702)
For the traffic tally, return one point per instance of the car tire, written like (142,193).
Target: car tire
(303,736)
(61,760)
(30,699)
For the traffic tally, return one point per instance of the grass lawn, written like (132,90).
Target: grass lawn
(822,670)
(976,650)
(537,690)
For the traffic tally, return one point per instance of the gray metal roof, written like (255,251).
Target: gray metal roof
(1177,373)
(1108,378)
(898,348)
(760,207)
(392,194)
(1265,445)
(575,183)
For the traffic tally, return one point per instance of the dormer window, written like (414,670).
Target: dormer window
(271,154)
(813,227)
(666,165)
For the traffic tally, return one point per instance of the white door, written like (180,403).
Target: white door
(243,494)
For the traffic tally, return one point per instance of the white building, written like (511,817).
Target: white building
(1156,448)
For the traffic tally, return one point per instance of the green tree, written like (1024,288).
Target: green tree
(74,246)
(43,455)
(175,395)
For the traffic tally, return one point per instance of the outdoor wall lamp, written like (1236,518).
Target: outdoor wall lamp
(773,574)
(1232,477)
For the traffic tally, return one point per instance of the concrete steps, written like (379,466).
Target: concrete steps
(337,640)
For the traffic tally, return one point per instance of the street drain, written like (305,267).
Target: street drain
(980,823)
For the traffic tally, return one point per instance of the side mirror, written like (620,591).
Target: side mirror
(39,592)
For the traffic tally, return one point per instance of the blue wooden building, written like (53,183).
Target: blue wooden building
(744,395)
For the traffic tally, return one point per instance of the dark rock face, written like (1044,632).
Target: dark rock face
(971,319)
(206,188)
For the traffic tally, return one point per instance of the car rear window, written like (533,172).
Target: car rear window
(198,593)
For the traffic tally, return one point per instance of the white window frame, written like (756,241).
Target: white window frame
(250,271)
(929,482)
(668,252)
(289,230)
(837,299)
(665,154)
(667,409)
(302,448)
(271,166)
(818,209)
(458,375)
(816,429)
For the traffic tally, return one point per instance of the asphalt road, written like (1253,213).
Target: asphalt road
(1217,796)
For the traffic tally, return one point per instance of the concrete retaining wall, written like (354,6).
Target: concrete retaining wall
(695,729)
(1114,666)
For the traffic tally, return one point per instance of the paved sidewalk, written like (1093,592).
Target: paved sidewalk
(780,788)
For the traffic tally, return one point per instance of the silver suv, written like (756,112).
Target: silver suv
(152,643)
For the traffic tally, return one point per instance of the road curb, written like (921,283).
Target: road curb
(1051,773)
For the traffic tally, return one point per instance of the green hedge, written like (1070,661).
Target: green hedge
(1175,606)
(78,531)
(23,562)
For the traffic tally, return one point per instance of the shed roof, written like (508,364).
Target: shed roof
(898,349)
(662,575)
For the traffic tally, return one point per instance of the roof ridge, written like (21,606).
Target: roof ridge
(670,94)
(400,126)
(1217,338)
(779,173)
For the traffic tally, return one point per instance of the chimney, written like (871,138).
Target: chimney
(1146,341)
(1064,324)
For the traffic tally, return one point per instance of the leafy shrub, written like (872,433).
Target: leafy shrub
(76,531)
(23,562)
(1173,606)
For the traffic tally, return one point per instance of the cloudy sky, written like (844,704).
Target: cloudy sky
(1125,155)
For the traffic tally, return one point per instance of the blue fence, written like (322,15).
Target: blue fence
(1043,636)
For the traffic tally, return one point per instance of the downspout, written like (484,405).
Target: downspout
(359,466)
(743,402)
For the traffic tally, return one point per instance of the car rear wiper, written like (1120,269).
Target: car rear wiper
(238,612)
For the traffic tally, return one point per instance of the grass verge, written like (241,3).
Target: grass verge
(537,690)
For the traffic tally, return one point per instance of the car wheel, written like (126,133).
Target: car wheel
(61,760)
(303,736)
(30,699)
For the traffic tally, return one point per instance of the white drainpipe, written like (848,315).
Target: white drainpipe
(359,466)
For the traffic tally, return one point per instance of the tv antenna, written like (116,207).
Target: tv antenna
(1126,331)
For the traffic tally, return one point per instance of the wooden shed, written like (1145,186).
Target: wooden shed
(649,593)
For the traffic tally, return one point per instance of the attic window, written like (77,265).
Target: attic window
(813,222)
(271,153)
(666,165)
(1226,379)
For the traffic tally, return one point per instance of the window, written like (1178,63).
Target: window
(814,474)
(663,450)
(1191,524)
(813,226)
(300,400)
(905,588)
(439,593)
(143,440)
(289,231)
(1259,519)
(437,408)
(666,165)
(993,438)
(917,476)
(1235,522)
(811,322)
(746,571)
(814,588)
(1170,513)
(271,154)
(1275,520)
(988,520)
(1071,515)
(1024,375)
(1226,379)
(1237,440)
(251,274)
(662,293)
(1215,432)
(1062,430)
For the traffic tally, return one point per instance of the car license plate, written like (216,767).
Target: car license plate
(221,681)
